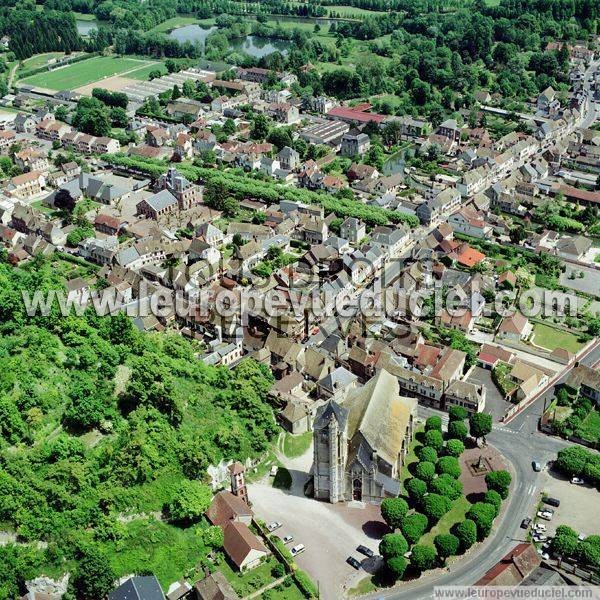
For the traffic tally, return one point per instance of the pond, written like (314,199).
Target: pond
(251,44)
(84,26)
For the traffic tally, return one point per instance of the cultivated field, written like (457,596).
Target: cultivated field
(85,72)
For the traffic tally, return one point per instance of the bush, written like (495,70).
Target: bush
(434,438)
(413,527)
(423,557)
(190,502)
(425,471)
(304,582)
(433,423)
(446,545)
(466,532)
(455,447)
(436,506)
(397,566)
(449,465)
(457,430)
(416,489)
(393,510)
(499,481)
(393,544)
(278,571)
(428,454)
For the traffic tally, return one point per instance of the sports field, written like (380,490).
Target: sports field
(87,71)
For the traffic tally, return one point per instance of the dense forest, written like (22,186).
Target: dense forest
(99,420)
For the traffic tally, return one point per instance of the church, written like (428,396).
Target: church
(361,442)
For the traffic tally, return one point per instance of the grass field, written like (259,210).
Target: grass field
(39,60)
(591,426)
(296,445)
(173,23)
(550,338)
(456,514)
(143,73)
(352,12)
(85,72)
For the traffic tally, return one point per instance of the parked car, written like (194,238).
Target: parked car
(536,466)
(581,537)
(366,551)
(297,549)
(577,481)
(526,522)
(552,501)
(539,537)
(274,525)
(287,539)
(543,554)
(544,515)
(353,562)
(539,527)
(273,471)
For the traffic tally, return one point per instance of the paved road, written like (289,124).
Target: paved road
(590,107)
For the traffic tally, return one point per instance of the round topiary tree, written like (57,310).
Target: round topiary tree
(393,510)
(458,430)
(447,486)
(413,527)
(436,506)
(392,544)
(416,489)
(448,465)
(435,439)
(446,545)
(397,567)
(428,454)
(433,422)
(493,497)
(423,557)
(457,413)
(425,471)
(483,515)
(455,447)
(499,481)
(466,532)
(480,424)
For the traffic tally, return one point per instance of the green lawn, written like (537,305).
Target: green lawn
(351,12)
(85,72)
(296,445)
(455,515)
(144,72)
(39,60)
(250,581)
(174,23)
(590,428)
(551,338)
(364,586)
(411,457)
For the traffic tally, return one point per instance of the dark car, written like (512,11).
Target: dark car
(525,523)
(353,562)
(366,551)
(552,501)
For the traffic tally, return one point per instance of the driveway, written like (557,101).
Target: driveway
(494,401)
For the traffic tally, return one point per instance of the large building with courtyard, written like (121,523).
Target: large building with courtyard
(361,442)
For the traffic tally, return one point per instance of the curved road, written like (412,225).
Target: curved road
(521,443)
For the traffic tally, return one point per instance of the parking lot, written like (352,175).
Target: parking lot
(577,503)
(494,401)
(330,533)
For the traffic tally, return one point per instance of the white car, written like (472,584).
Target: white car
(544,515)
(297,549)
(577,481)
(273,526)
(539,527)
(539,537)
(543,554)
(287,539)
(581,537)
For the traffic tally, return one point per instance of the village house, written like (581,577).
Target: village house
(515,327)
(355,143)
(27,185)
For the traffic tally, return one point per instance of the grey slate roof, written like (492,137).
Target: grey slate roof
(138,588)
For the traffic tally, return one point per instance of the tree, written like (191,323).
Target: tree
(64,201)
(393,510)
(457,430)
(170,65)
(260,128)
(447,486)
(493,497)
(483,515)
(416,489)
(425,471)
(572,460)
(397,566)
(499,481)
(457,413)
(423,557)
(455,447)
(466,532)
(118,117)
(449,465)
(428,454)
(176,93)
(413,527)
(94,577)
(564,544)
(480,425)
(446,545)
(190,502)
(433,422)
(435,439)
(213,536)
(392,544)
(436,506)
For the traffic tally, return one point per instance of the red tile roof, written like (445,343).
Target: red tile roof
(225,507)
(351,114)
